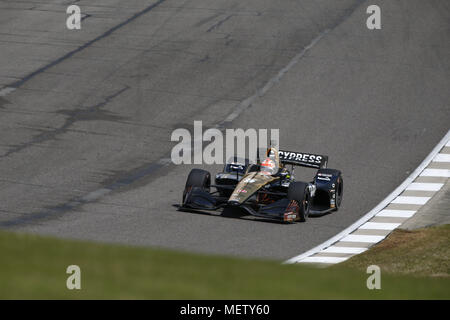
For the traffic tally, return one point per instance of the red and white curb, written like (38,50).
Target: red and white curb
(391,213)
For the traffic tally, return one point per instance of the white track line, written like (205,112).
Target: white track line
(345,234)
(442,157)
(324,259)
(243,105)
(435,173)
(379,226)
(396,213)
(411,200)
(362,238)
(354,250)
(425,186)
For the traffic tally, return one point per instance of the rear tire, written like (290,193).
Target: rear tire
(197,178)
(339,191)
(299,192)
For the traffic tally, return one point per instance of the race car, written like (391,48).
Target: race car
(267,189)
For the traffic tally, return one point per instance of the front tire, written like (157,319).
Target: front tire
(299,192)
(197,178)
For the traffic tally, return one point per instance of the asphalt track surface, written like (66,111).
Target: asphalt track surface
(84,131)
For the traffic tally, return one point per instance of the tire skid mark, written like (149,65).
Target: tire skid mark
(219,23)
(58,211)
(82,114)
(107,33)
(148,169)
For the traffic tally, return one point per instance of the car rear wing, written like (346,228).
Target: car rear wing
(303,159)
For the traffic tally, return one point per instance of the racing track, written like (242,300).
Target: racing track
(84,131)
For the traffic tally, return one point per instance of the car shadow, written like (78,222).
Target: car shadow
(319,215)
(230,213)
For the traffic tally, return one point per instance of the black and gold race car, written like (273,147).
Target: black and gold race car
(267,189)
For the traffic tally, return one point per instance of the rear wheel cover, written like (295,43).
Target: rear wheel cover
(339,192)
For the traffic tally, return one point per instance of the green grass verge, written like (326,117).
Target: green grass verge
(421,252)
(35,267)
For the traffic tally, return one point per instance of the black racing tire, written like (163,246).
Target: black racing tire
(197,178)
(299,192)
(339,191)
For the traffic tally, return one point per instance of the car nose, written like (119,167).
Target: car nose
(233,203)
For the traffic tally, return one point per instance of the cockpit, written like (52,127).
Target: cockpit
(235,167)
(271,165)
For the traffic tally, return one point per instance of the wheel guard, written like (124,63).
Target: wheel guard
(197,198)
(281,210)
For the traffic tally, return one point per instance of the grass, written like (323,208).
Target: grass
(421,252)
(34,267)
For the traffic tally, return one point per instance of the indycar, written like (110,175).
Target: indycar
(267,189)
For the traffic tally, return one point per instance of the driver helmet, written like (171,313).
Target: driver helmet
(270,165)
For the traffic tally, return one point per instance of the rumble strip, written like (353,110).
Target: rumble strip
(390,214)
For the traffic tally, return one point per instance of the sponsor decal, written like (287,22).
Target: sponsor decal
(291,213)
(300,157)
